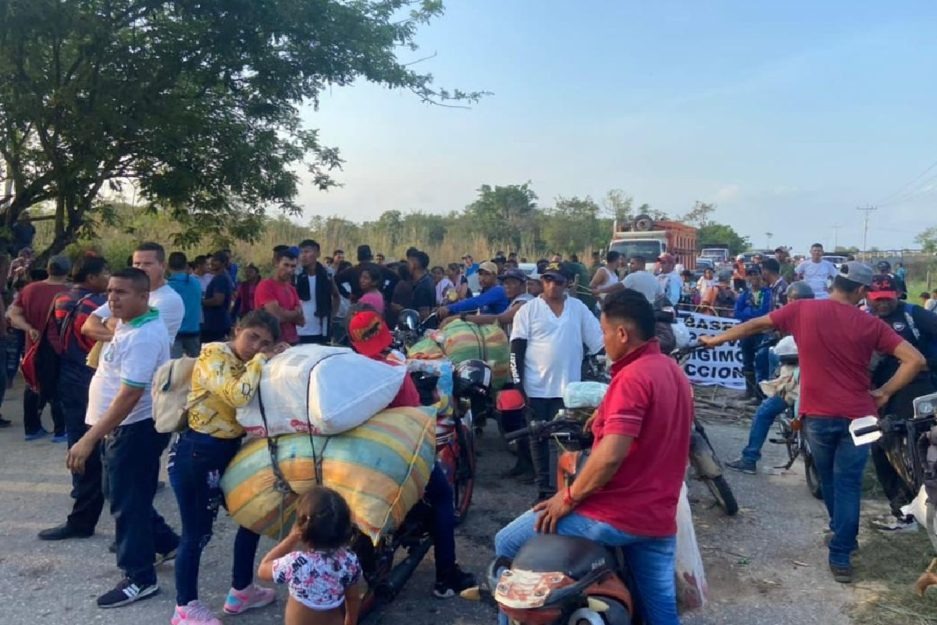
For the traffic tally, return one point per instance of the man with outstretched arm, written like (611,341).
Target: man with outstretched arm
(835,341)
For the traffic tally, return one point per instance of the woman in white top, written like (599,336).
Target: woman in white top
(606,276)
(707,281)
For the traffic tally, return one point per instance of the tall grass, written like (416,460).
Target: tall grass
(116,242)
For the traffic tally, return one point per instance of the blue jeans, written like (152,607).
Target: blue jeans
(840,465)
(651,560)
(767,412)
(196,463)
(131,470)
(441,499)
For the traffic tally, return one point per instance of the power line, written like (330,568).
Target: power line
(868,210)
(902,188)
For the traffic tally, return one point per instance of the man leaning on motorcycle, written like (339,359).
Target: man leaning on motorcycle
(626,493)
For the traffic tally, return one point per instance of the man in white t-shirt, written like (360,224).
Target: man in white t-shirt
(640,280)
(817,272)
(546,354)
(151,259)
(120,413)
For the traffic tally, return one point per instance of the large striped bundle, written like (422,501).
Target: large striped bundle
(380,468)
(463,340)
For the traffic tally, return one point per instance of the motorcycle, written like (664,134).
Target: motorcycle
(455,431)
(706,464)
(560,580)
(913,452)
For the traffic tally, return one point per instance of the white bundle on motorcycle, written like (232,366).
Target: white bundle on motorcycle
(692,589)
(325,390)
(584,394)
(918,507)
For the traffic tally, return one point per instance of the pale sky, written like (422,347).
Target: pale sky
(787,115)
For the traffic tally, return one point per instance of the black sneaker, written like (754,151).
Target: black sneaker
(842,574)
(455,582)
(5,423)
(64,532)
(126,593)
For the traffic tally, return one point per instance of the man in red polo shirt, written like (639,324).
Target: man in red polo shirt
(835,343)
(626,494)
(278,296)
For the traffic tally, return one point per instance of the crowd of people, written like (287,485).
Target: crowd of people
(94,337)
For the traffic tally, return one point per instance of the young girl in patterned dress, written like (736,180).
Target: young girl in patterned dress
(314,561)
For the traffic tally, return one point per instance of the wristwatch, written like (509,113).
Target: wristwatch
(463,316)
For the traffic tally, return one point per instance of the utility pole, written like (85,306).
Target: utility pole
(836,229)
(865,232)
(769,235)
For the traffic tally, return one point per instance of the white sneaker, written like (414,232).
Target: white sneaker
(890,524)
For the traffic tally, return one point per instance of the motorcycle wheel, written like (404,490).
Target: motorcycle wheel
(464,481)
(810,472)
(720,490)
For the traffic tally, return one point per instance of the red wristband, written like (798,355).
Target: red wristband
(568,498)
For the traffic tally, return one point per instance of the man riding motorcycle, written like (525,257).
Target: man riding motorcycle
(627,491)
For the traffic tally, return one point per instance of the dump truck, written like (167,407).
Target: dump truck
(644,236)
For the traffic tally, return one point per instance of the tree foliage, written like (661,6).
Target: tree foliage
(505,213)
(194,104)
(713,234)
(928,240)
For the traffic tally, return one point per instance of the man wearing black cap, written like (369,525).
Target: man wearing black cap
(514,283)
(919,328)
(546,355)
(836,341)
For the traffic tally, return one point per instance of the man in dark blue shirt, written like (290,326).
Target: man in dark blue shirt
(919,328)
(217,302)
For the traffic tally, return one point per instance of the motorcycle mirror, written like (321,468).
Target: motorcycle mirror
(472,594)
(597,605)
(864,430)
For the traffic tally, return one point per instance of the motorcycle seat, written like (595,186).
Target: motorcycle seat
(572,556)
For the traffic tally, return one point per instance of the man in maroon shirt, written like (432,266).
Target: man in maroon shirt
(31,313)
(626,493)
(835,342)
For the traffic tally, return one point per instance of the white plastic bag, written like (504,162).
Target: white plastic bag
(692,590)
(328,390)
(584,394)
(917,508)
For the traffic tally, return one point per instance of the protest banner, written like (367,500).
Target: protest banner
(721,366)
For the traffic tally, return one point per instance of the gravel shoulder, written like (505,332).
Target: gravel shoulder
(765,566)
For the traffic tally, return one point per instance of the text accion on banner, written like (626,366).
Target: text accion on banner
(721,366)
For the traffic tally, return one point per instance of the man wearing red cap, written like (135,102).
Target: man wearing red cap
(919,328)
(371,337)
(669,280)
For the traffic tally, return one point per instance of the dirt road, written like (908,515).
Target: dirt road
(765,566)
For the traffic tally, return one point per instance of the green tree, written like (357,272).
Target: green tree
(196,105)
(713,234)
(504,214)
(928,240)
(573,225)
(700,215)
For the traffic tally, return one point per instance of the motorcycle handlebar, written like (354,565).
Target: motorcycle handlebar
(542,428)
(867,430)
